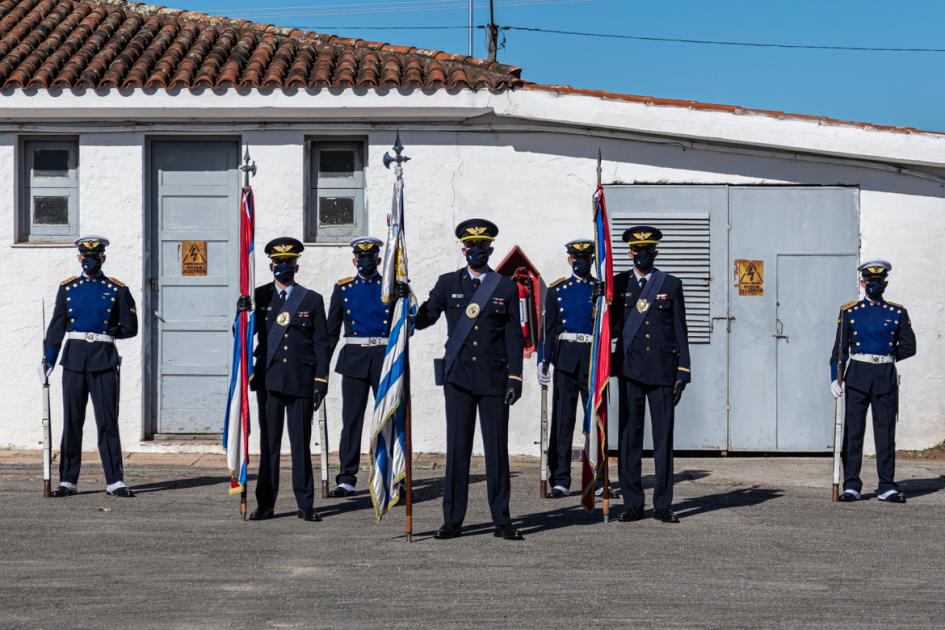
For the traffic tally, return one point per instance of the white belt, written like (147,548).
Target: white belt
(578,337)
(872,358)
(366,341)
(89,336)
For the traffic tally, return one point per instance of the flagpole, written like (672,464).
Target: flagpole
(606,453)
(247,167)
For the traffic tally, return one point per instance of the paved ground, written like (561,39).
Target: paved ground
(760,545)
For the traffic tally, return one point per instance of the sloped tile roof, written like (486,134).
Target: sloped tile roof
(67,44)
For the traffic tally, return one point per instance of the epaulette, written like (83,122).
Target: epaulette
(895,304)
(849,305)
(556,283)
(117,282)
(346,280)
(68,280)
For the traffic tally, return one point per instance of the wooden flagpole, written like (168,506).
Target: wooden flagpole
(606,450)
(248,167)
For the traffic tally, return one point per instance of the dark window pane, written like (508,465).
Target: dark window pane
(51,163)
(51,210)
(336,211)
(336,163)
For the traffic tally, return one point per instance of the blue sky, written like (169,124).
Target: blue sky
(880,87)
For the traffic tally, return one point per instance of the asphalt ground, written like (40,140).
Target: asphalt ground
(760,545)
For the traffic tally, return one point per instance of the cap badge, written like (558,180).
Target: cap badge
(581,246)
(642,236)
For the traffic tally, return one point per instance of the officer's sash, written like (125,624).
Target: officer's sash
(639,310)
(282,320)
(474,311)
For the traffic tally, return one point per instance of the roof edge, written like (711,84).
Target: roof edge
(717,107)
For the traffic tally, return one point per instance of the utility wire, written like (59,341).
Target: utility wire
(713,42)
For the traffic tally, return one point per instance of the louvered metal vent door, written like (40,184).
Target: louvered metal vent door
(693,220)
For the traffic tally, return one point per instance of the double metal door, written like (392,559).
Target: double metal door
(765,270)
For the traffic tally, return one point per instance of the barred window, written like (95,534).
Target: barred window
(49,203)
(335,209)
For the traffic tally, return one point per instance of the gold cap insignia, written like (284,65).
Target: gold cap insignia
(642,236)
(876,269)
(365,246)
(90,244)
(581,246)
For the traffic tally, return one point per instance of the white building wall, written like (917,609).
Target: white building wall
(536,186)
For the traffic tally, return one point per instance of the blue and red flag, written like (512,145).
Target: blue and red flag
(236,426)
(594,458)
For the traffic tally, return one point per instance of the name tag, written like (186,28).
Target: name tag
(458,295)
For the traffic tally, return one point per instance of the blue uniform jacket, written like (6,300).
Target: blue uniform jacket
(492,353)
(98,305)
(356,304)
(869,327)
(659,353)
(569,307)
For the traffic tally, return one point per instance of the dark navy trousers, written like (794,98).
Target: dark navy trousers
(461,407)
(354,399)
(567,388)
(102,388)
(635,395)
(885,411)
(275,411)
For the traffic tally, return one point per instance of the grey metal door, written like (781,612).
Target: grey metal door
(194,236)
(693,221)
(807,241)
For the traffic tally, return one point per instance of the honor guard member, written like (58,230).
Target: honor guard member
(290,376)
(872,336)
(92,311)
(652,362)
(356,303)
(567,333)
(481,370)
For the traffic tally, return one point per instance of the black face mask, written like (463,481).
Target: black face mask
(478,257)
(91,265)
(875,289)
(643,260)
(367,266)
(284,272)
(581,267)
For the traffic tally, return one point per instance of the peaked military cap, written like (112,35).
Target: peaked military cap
(92,244)
(476,230)
(642,235)
(580,247)
(873,268)
(366,245)
(284,247)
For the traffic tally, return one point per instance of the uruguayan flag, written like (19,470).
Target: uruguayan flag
(388,465)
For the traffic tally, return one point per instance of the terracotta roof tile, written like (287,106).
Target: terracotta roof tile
(115,44)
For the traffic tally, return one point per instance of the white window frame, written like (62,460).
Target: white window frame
(33,186)
(319,185)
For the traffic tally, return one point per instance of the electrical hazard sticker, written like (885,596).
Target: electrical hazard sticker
(750,276)
(193,258)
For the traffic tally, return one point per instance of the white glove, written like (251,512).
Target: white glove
(836,389)
(43,374)
(544,375)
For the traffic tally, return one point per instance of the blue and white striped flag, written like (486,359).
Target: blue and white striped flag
(388,463)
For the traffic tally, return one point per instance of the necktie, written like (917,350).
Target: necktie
(642,283)
(476,282)
(282,297)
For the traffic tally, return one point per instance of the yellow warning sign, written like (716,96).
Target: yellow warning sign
(750,276)
(193,258)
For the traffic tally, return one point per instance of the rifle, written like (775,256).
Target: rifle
(543,457)
(838,413)
(47,428)
(323,446)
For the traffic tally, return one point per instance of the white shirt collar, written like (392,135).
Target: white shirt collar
(638,276)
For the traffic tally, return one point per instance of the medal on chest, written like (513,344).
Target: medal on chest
(643,305)
(283,319)
(472,311)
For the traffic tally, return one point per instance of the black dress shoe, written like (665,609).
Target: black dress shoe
(121,492)
(507,532)
(309,514)
(557,493)
(63,491)
(665,516)
(631,514)
(848,497)
(262,515)
(895,498)
(448,531)
(339,493)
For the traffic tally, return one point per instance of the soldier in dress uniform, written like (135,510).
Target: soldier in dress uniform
(567,333)
(290,376)
(872,334)
(92,311)
(481,370)
(356,303)
(652,362)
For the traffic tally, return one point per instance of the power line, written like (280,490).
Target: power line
(713,42)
